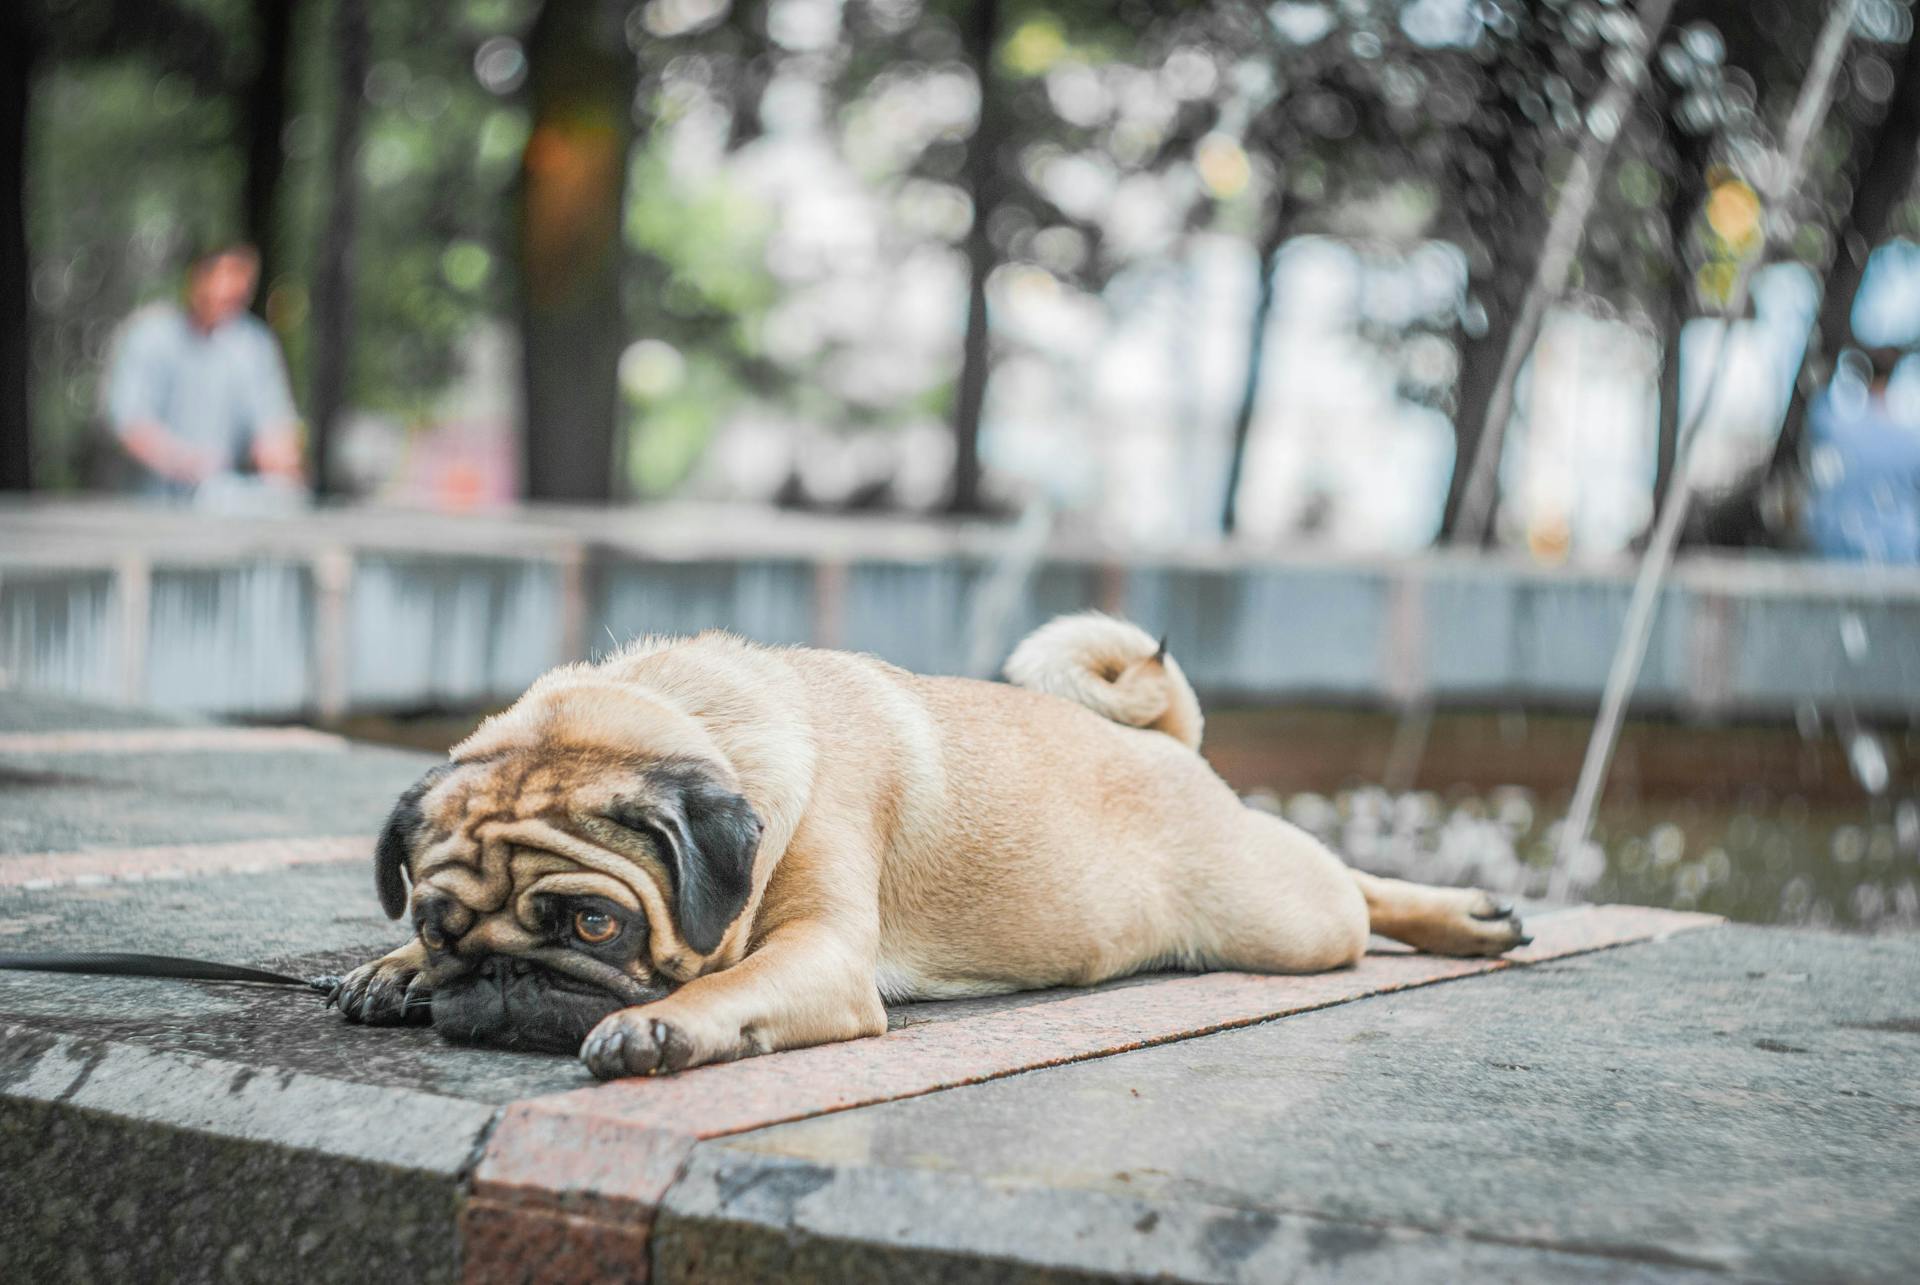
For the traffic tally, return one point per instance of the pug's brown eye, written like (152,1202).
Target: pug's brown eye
(595,927)
(432,937)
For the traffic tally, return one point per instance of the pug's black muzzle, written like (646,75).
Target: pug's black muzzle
(517,1004)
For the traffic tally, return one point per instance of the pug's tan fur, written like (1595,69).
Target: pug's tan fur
(920,838)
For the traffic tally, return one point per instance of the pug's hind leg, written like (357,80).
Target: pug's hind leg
(805,985)
(1441,921)
(386,991)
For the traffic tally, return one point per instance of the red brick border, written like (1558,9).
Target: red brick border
(567,1185)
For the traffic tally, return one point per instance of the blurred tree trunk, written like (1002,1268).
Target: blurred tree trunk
(1890,155)
(1688,157)
(979,38)
(19,45)
(1480,360)
(583,80)
(334,263)
(263,111)
(1674,298)
(1272,237)
(1500,294)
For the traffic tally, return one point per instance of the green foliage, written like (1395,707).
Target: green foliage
(1348,119)
(127,171)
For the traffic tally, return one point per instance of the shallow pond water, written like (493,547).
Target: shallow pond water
(1765,859)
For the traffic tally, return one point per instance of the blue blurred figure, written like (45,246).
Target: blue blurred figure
(1865,470)
(196,389)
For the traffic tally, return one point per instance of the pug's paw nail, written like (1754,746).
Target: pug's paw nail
(416,1004)
(1497,910)
(605,1051)
(675,1049)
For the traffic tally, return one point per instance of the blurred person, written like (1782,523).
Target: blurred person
(1864,503)
(195,389)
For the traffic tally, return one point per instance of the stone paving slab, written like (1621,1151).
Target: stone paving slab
(1738,1103)
(55,801)
(303,921)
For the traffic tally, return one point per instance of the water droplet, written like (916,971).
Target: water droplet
(1880,846)
(1906,826)
(1717,865)
(1868,903)
(1796,899)
(1689,881)
(1587,863)
(1313,813)
(1849,845)
(1669,844)
(1868,759)
(1853,636)
(1806,717)
(1263,801)
(1603,122)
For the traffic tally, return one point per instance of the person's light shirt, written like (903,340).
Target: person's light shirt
(1865,470)
(218,390)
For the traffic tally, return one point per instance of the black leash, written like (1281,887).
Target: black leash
(120,964)
(114,963)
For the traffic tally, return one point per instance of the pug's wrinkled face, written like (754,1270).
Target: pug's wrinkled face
(591,962)
(552,887)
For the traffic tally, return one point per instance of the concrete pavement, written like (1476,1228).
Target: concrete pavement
(1639,1095)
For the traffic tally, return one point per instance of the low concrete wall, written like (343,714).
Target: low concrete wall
(366,610)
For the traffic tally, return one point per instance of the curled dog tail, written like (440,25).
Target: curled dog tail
(1113,668)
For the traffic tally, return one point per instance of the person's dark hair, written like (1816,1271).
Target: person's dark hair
(201,253)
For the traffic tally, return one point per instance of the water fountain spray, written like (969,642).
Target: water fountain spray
(1778,182)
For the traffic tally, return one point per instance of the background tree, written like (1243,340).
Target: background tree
(983,178)
(582,80)
(600,176)
(1343,129)
(40,440)
(333,271)
(1530,71)
(262,116)
(19,49)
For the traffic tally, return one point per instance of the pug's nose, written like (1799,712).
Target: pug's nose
(501,967)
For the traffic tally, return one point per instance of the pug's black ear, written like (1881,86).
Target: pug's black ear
(710,836)
(403,826)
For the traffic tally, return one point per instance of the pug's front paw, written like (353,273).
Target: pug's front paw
(387,992)
(629,1043)
(650,1039)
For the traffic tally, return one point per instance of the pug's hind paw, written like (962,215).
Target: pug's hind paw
(1471,923)
(386,992)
